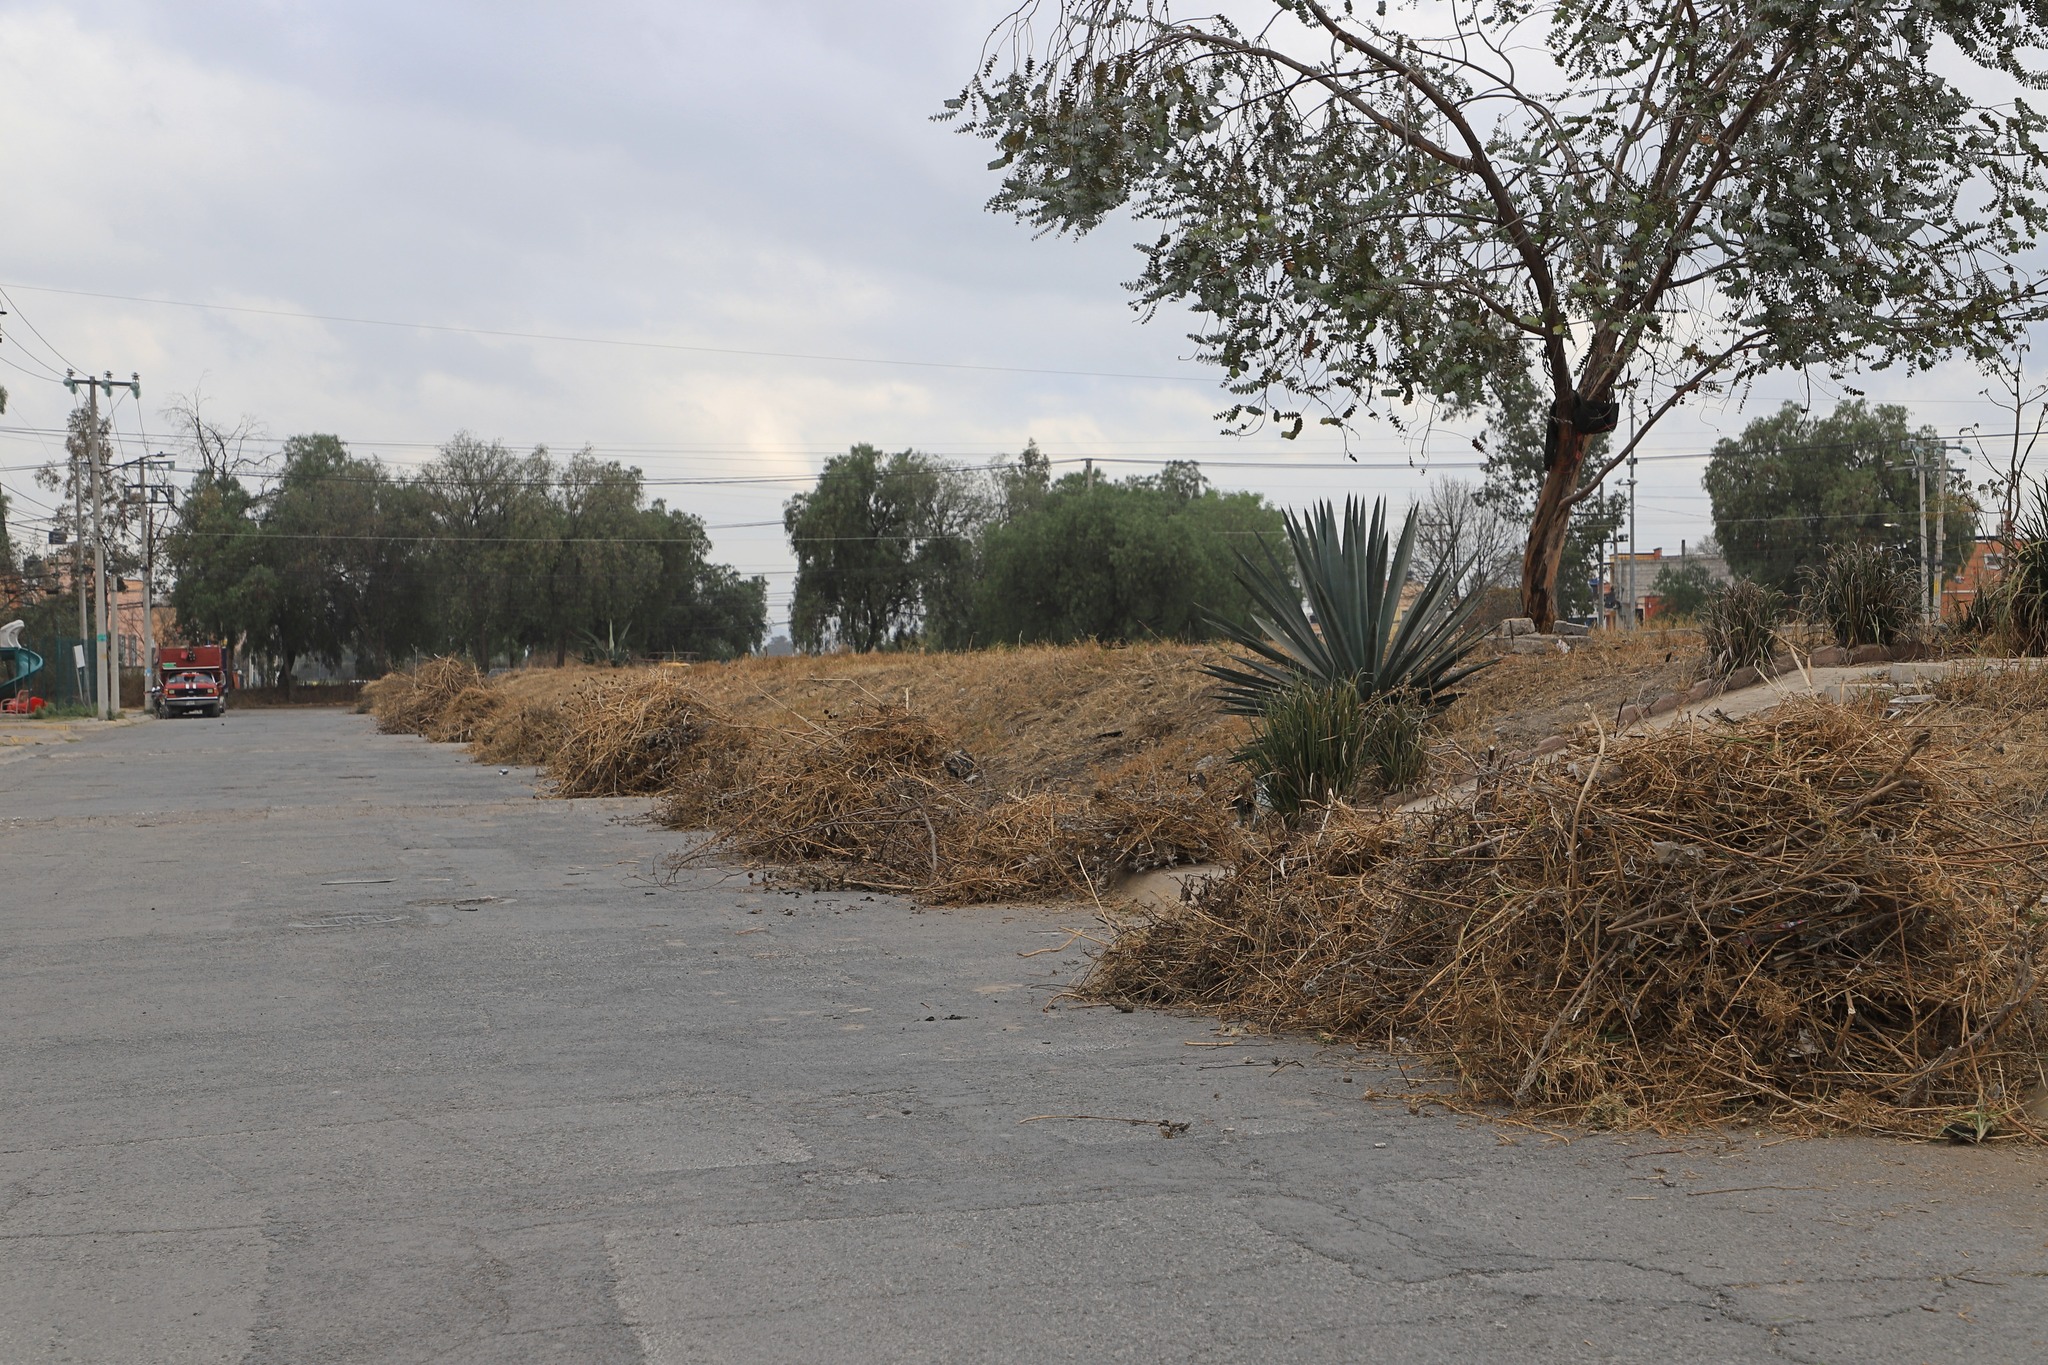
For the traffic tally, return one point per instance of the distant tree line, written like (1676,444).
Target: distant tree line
(904,549)
(479,552)
(1794,483)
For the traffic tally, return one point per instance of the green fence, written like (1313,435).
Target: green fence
(60,682)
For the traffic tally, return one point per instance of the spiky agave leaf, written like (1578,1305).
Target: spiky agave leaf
(1354,595)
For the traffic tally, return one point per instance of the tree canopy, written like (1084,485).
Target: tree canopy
(883,547)
(905,549)
(1793,484)
(480,552)
(1627,203)
(1150,557)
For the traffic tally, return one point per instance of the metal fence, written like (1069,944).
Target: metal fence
(61,681)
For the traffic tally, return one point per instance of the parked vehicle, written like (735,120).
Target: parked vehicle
(192,680)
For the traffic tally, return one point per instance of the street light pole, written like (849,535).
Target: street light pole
(1940,527)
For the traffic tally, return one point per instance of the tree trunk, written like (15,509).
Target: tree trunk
(284,673)
(1549,525)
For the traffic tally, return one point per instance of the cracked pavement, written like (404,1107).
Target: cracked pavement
(325,1045)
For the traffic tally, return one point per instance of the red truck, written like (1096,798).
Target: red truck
(191,680)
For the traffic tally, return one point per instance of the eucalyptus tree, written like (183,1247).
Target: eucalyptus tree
(487,508)
(884,551)
(1637,200)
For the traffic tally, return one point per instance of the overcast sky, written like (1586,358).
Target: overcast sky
(761,176)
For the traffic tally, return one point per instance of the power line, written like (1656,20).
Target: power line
(610,341)
(16,309)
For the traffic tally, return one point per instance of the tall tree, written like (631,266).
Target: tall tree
(1514,479)
(213,555)
(883,543)
(485,504)
(604,565)
(1467,533)
(1152,557)
(1793,484)
(696,607)
(1634,201)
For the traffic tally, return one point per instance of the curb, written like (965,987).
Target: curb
(1706,689)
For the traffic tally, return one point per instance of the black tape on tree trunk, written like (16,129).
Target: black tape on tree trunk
(1588,417)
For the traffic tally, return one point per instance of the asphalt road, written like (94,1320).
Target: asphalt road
(323,1045)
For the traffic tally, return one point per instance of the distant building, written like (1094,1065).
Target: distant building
(128,617)
(1982,570)
(1646,565)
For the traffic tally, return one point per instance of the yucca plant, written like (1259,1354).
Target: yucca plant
(1308,747)
(1740,624)
(1352,631)
(1865,593)
(2018,609)
(1315,743)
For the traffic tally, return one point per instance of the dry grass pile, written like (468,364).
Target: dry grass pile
(2000,710)
(959,778)
(1810,914)
(624,734)
(436,699)
(883,800)
(1525,698)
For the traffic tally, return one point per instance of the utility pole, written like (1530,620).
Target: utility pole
(151,496)
(108,678)
(1940,526)
(1631,605)
(78,539)
(1920,471)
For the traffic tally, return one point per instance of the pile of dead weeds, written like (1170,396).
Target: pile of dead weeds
(821,775)
(1812,916)
(442,699)
(883,800)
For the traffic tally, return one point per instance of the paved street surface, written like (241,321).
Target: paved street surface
(323,1045)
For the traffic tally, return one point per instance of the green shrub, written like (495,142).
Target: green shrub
(1317,743)
(2019,603)
(1683,591)
(1865,594)
(1397,739)
(1740,625)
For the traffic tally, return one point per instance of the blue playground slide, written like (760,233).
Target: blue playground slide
(17,663)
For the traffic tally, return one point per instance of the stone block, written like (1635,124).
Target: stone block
(1550,746)
(1830,656)
(1744,677)
(1703,689)
(1869,654)
(1665,704)
(1517,625)
(1627,716)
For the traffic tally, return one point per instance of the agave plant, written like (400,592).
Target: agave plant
(1353,630)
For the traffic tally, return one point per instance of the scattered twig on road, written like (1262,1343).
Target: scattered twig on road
(1167,1127)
